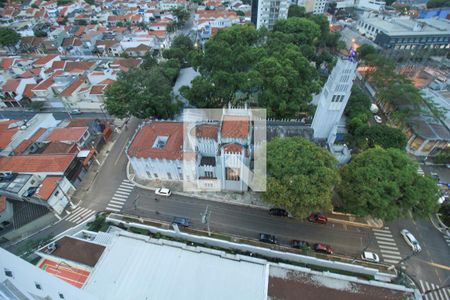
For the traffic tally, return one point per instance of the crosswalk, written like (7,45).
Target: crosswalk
(447,239)
(121,196)
(436,294)
(387,245)
(79,214)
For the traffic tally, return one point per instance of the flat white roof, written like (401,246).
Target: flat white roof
(135,269)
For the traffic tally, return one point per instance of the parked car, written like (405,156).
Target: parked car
(435,176)
(6,175)
(410,240)
(181,221)
(323,248)
(268,238)
(163,192)
(278,212)
(75,112)
(370,256)
(317,218)
(299,244)
(378,119)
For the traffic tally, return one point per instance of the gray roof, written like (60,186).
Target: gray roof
(429,128)
(403,26)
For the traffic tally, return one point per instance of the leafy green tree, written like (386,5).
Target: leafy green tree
(148,61)
(62,2)
(141,93)
(380,135)
(81,22)
(37,105)
(296,11)
(34,5)
(182,16)
(40,33)
(8,37)
(240,13)
(358,105)
(443,157)
(90,2)
(180,48)
(384,183)
(365,50)
(438,3)
(303,31)
(301,176)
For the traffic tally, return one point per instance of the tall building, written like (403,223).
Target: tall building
(315,6)
(333,98)
(267,12)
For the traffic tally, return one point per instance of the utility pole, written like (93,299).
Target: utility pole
(205,218)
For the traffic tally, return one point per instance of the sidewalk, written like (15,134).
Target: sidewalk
(352,220)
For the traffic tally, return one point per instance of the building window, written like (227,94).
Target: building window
(56,193)
(156,175)
(61,296)
(169,175)
(232,174)
(148,174)
(38,286)
(209,174)
(8,273)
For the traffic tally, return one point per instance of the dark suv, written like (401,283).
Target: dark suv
(278,212)
(181,221)
(268,238)
(299,244)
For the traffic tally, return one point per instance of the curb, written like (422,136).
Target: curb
(441,227)
(356,224)
(131,178)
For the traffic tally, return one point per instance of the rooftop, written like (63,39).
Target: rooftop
(404,26)
(71,134)
(47,186)
(78,251)
(235,126)
(143,145)
(36,163)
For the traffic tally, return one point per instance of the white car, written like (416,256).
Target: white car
(378,119)
(163,192)
(370,256)
(410,240)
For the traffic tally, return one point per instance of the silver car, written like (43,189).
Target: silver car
(411,240)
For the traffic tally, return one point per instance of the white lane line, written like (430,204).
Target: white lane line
(126,180)
(446,294)
(116,202)
(121,192)
(75,215)
(391,256)
(388,247)
(115,205)
(124,190)
(441,293)
(384,238)
(422,288)
(113,209)
(120,199)
(387,243)
(382,234)
(427,286)
(127,184)
(391,261)
(390,252)
(82,218)
(381,230)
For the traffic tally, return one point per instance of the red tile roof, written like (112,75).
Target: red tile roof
(6,133)
(57,65)
(73,86)
(28,92)
(45,84)
(106,81)
(38,133)
(235,126)
(207,131)
(37,163)
(30,73)
(43,60)
(11,85)
(2,203)
(23,146)
(142,145)
(60,148)
(97,89)
(78,66)
(234,148)
(7,63)
(47,187)
(72,134)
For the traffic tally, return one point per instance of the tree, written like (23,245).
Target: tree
(35,6)
(37,105)
(443,157)
(438,3)
(240,13)
(62,2)
(301,176)
(358,105)
(296,11)
(142,93)
(8,37)
(182,16)
(180,48)
(303,31)
(81,22)
(380,135)
(365,50)
(90,2)
(384,183)
(40,33)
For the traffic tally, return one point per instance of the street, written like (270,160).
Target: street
(59,115)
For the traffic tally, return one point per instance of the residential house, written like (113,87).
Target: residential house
(13,92)
(72,135)
(138,51)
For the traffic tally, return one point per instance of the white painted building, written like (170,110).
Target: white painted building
(333,98)
(267,12)
(315,6)
(209,154)
(21,280)
(374,5)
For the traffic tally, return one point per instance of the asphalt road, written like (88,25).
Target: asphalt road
(60,115)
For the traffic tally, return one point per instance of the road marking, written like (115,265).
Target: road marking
(390,252)
(391,261)
(379,234)
(120,198)
(445,294)
(115,205)
(117,202)
(389,256)
(123,193)
(74,214)
(125,189)
(381,230)
(127,184)
(388,247)
(440,292)
(122,151)
(126,180)
(422,288)
(384,238)
(113,209)
(387,243)
(81,218)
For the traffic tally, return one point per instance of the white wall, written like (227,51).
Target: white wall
(25,276)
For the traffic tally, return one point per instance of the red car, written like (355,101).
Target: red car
(323,248)
(318,218)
